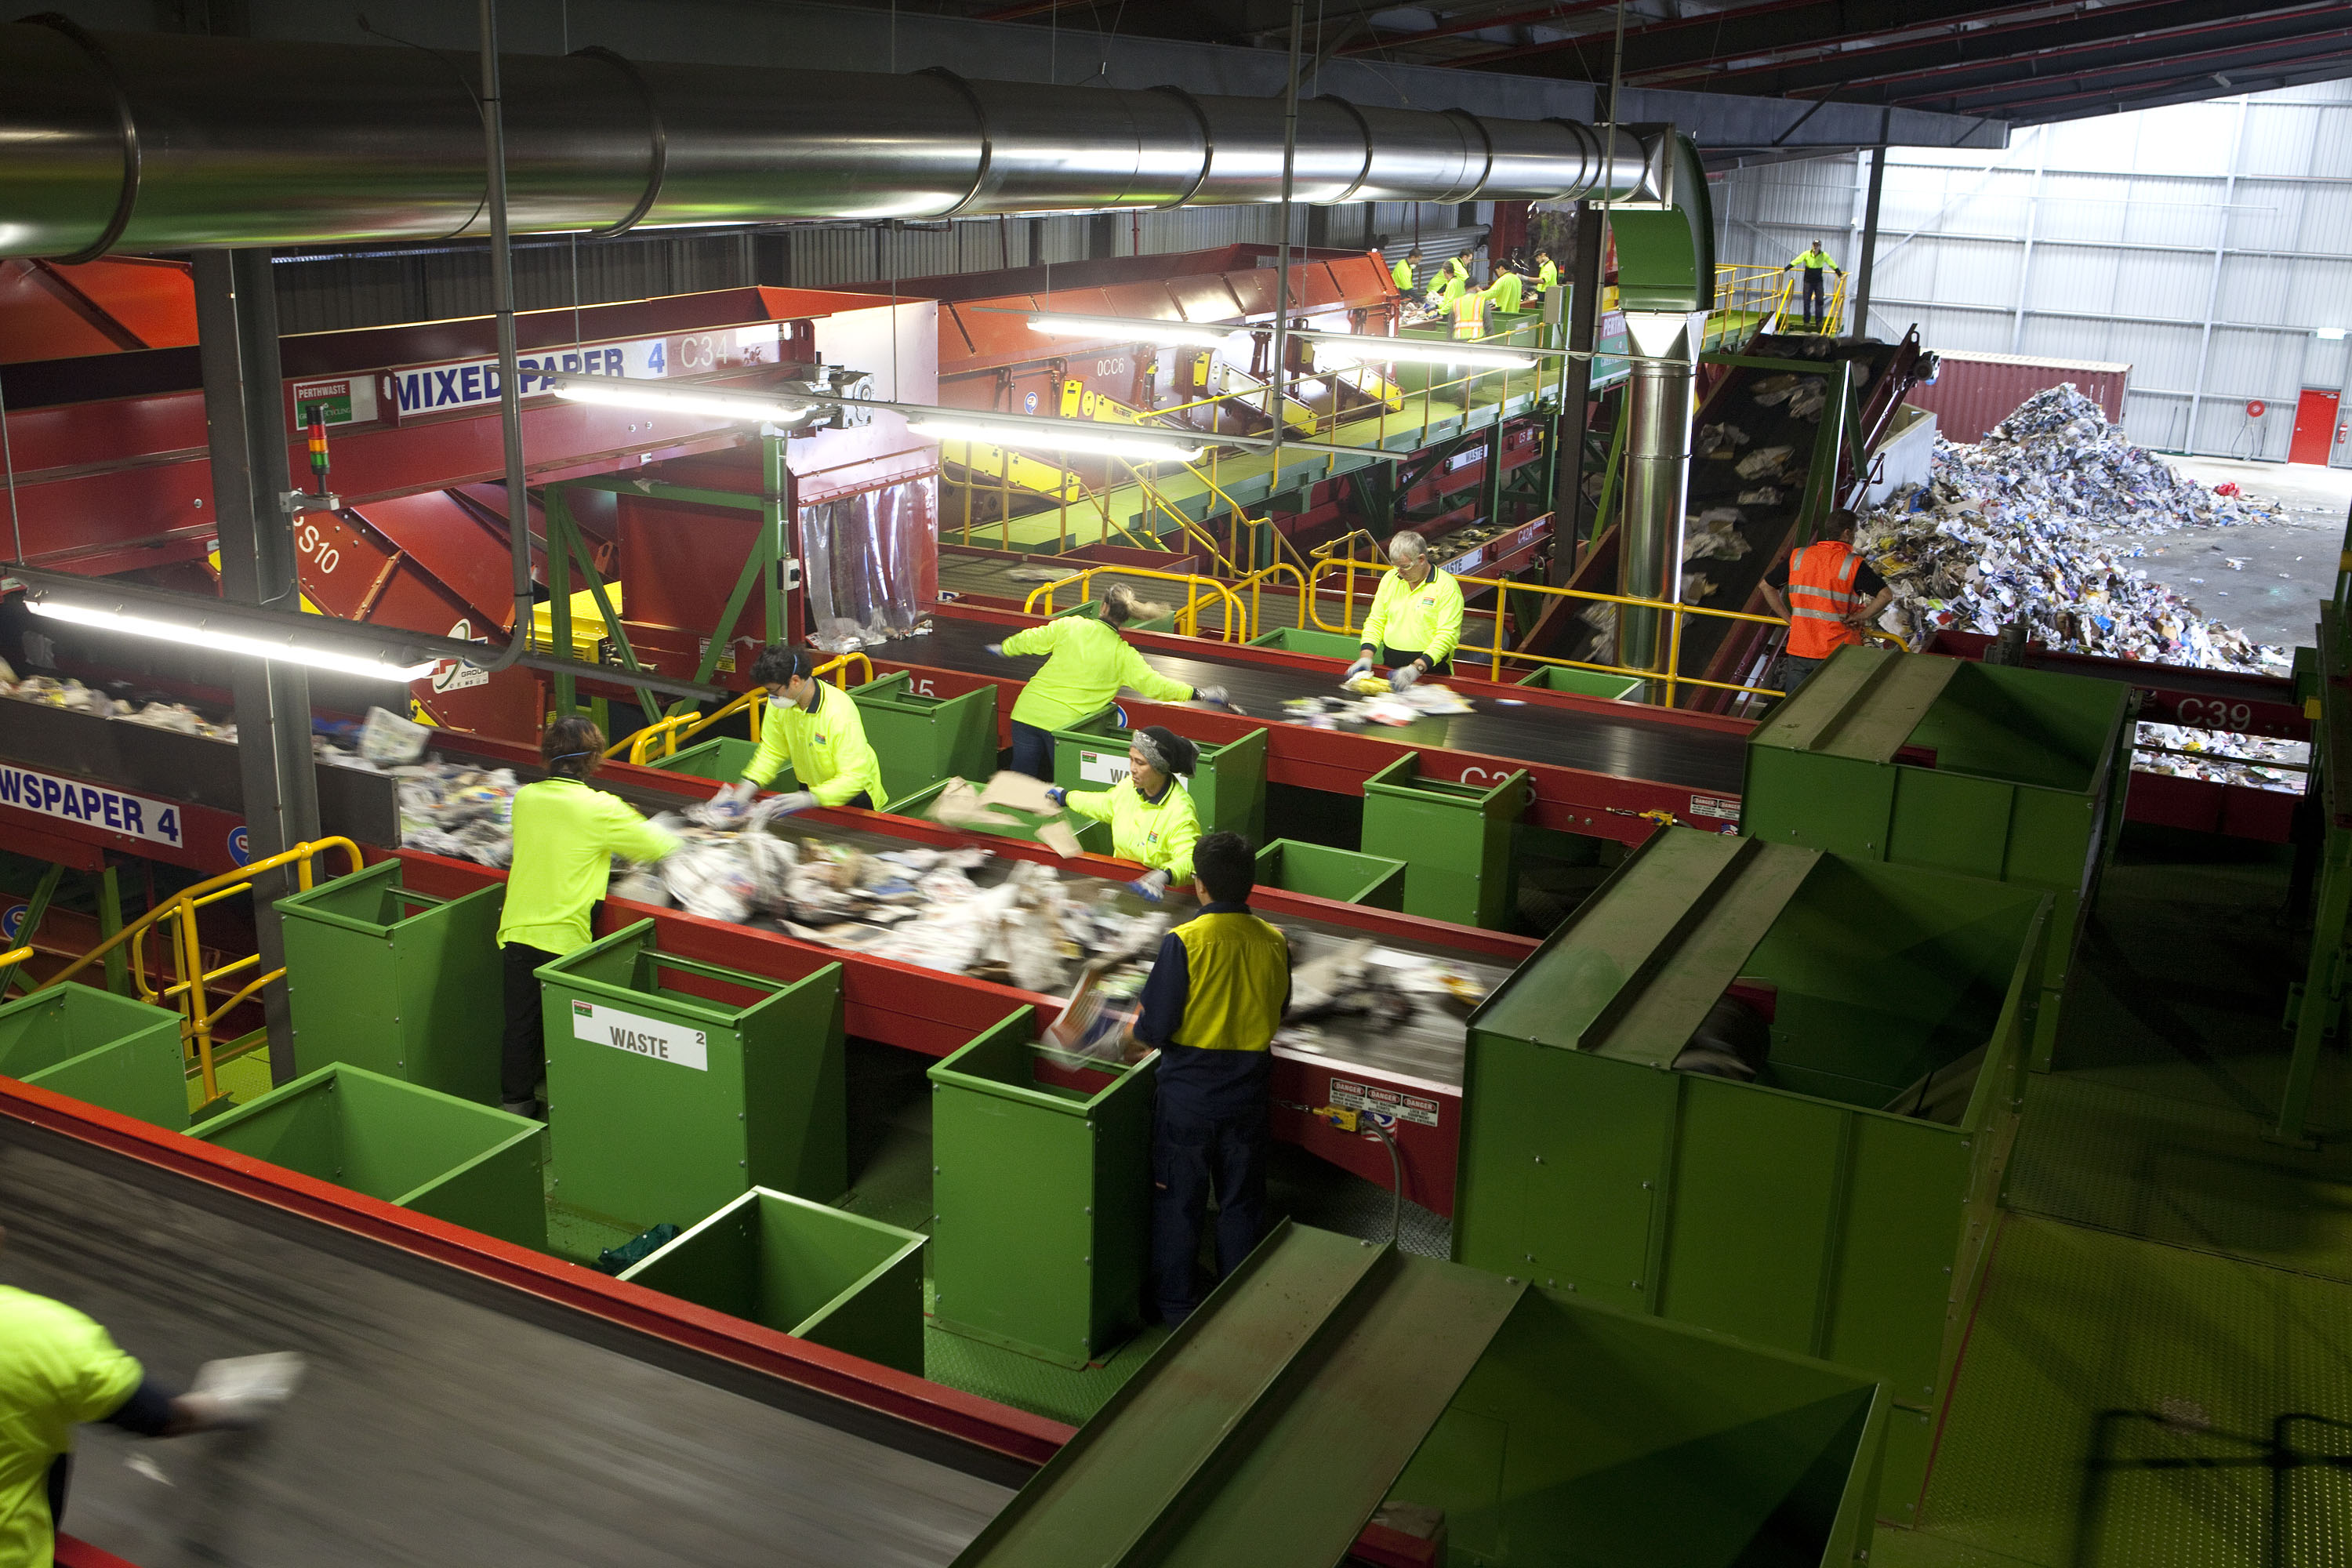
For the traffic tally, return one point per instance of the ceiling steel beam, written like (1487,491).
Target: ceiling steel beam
(1552,14)
(2138,48)
(1759,30)
(2163,71)
(1813,65)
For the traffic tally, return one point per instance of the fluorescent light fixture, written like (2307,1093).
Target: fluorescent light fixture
(1062,436)
(204,635)
(1419,351)
(613,392)
(1138,328)
(2333,335)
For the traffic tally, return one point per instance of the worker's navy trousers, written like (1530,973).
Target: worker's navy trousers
(1815,299)
(1192,1157)
(1396,657)
(1032,751)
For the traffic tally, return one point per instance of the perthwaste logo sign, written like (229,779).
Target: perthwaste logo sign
(457,674)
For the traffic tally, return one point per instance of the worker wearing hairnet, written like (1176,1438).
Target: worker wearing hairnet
(58,1369)
(1215,995)
(1416,618)
(817,729)
(1087,663)
(565,836)
(1150,811)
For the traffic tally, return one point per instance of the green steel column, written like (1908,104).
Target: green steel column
(110,924)
(776,532)
(558,595)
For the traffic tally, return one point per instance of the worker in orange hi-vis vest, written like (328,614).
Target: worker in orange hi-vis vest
(1826,584)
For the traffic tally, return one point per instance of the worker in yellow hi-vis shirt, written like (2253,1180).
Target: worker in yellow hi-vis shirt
(1416,618)
(59,1369)
(565,836)
(1087,663)
(1150,813)
(1214,998)
(816,727)
(1402,273)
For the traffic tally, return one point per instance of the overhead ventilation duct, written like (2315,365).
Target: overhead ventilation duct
(157,142)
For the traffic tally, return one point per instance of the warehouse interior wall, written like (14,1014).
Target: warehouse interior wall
(2209,246)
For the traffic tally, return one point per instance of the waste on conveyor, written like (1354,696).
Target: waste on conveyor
(2247,762)
(2035,524)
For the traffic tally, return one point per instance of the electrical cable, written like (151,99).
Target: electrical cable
(1396,1183)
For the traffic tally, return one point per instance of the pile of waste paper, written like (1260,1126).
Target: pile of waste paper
(1369,701)
(2249,762)
(448,808)
(51,691)
(2033,525)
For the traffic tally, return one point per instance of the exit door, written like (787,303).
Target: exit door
(2314,427)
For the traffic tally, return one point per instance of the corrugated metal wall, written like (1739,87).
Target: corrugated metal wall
(381,287)
(2205,245)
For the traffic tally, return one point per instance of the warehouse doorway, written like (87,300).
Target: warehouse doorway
(2314,427)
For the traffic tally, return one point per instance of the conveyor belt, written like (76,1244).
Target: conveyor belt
(445,1419)
(1634,746)
(1426,1047)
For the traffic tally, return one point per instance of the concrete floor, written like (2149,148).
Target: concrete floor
(2284,571)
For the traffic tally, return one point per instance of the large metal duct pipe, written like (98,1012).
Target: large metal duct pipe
(150,142)
(1663,369)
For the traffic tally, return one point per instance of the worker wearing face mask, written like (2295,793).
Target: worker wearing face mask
(1087,663)
(1416,617)
(816,727)
(1150,813)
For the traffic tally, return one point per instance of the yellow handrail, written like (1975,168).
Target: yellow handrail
(13,957)
(1496,653)
(187,994)
(1236,627)
(679,727)
(1255,583)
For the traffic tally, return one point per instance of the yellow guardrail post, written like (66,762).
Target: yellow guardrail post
(1236,627)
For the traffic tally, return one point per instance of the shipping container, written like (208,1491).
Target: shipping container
(1974,392)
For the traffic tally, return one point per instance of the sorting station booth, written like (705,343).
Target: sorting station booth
(2018,775)
(919,739)
(97,1046)
(836,1280)
(1228,784)
(1041,1190)
(470,1164)
(1839,1205)
(1345,876)
(675,1086)
(1583,682)
(1454,839)
(396,981)
(1328,1374)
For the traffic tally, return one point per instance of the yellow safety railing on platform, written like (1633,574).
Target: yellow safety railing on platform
(1255,583)
(1496,652)
(1832,308)
(1188,617)
(1749,289)
(187,994)
(16,956)
(666,734)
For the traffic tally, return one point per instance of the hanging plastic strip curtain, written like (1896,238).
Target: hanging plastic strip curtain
(872,563)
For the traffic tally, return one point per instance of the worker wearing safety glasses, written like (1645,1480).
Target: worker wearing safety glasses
(1150,811)
(818,729)
(1416,617)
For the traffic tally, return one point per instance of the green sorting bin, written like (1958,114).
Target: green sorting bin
(923,739)
(1343,875)
(466,1164)
(1454,839)
(1587,1437)
(1306,639)
(387,978)
(723,758)
(2014,774)
(1583,682)
(1840,1205)
(1228,785)
(836,1280)
(96,1046)
(1041,1187)
(675,1086)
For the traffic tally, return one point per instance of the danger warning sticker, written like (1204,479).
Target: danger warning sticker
(1715,805)
(1391,1102)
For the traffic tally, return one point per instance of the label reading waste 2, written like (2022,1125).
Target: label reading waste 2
(157,821)
(640,1037)
(1102,767)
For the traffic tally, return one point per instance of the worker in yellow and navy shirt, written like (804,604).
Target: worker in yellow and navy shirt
(1214,1000)
(1150,811)
(1506,291)
(1402,273)
(815,727)
(1416,617)
(1547,273)
(1812,262)
(58,1369)
(565,836)
(1087,663)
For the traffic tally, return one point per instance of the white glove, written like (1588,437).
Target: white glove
(1215,696)
(1403,674)
(1151,885)
(777,805)
(242,1391)
(1363,665)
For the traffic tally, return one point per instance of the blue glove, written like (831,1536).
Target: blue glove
(1058,795)
(1363,665)
(1152,886)
(994,650)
